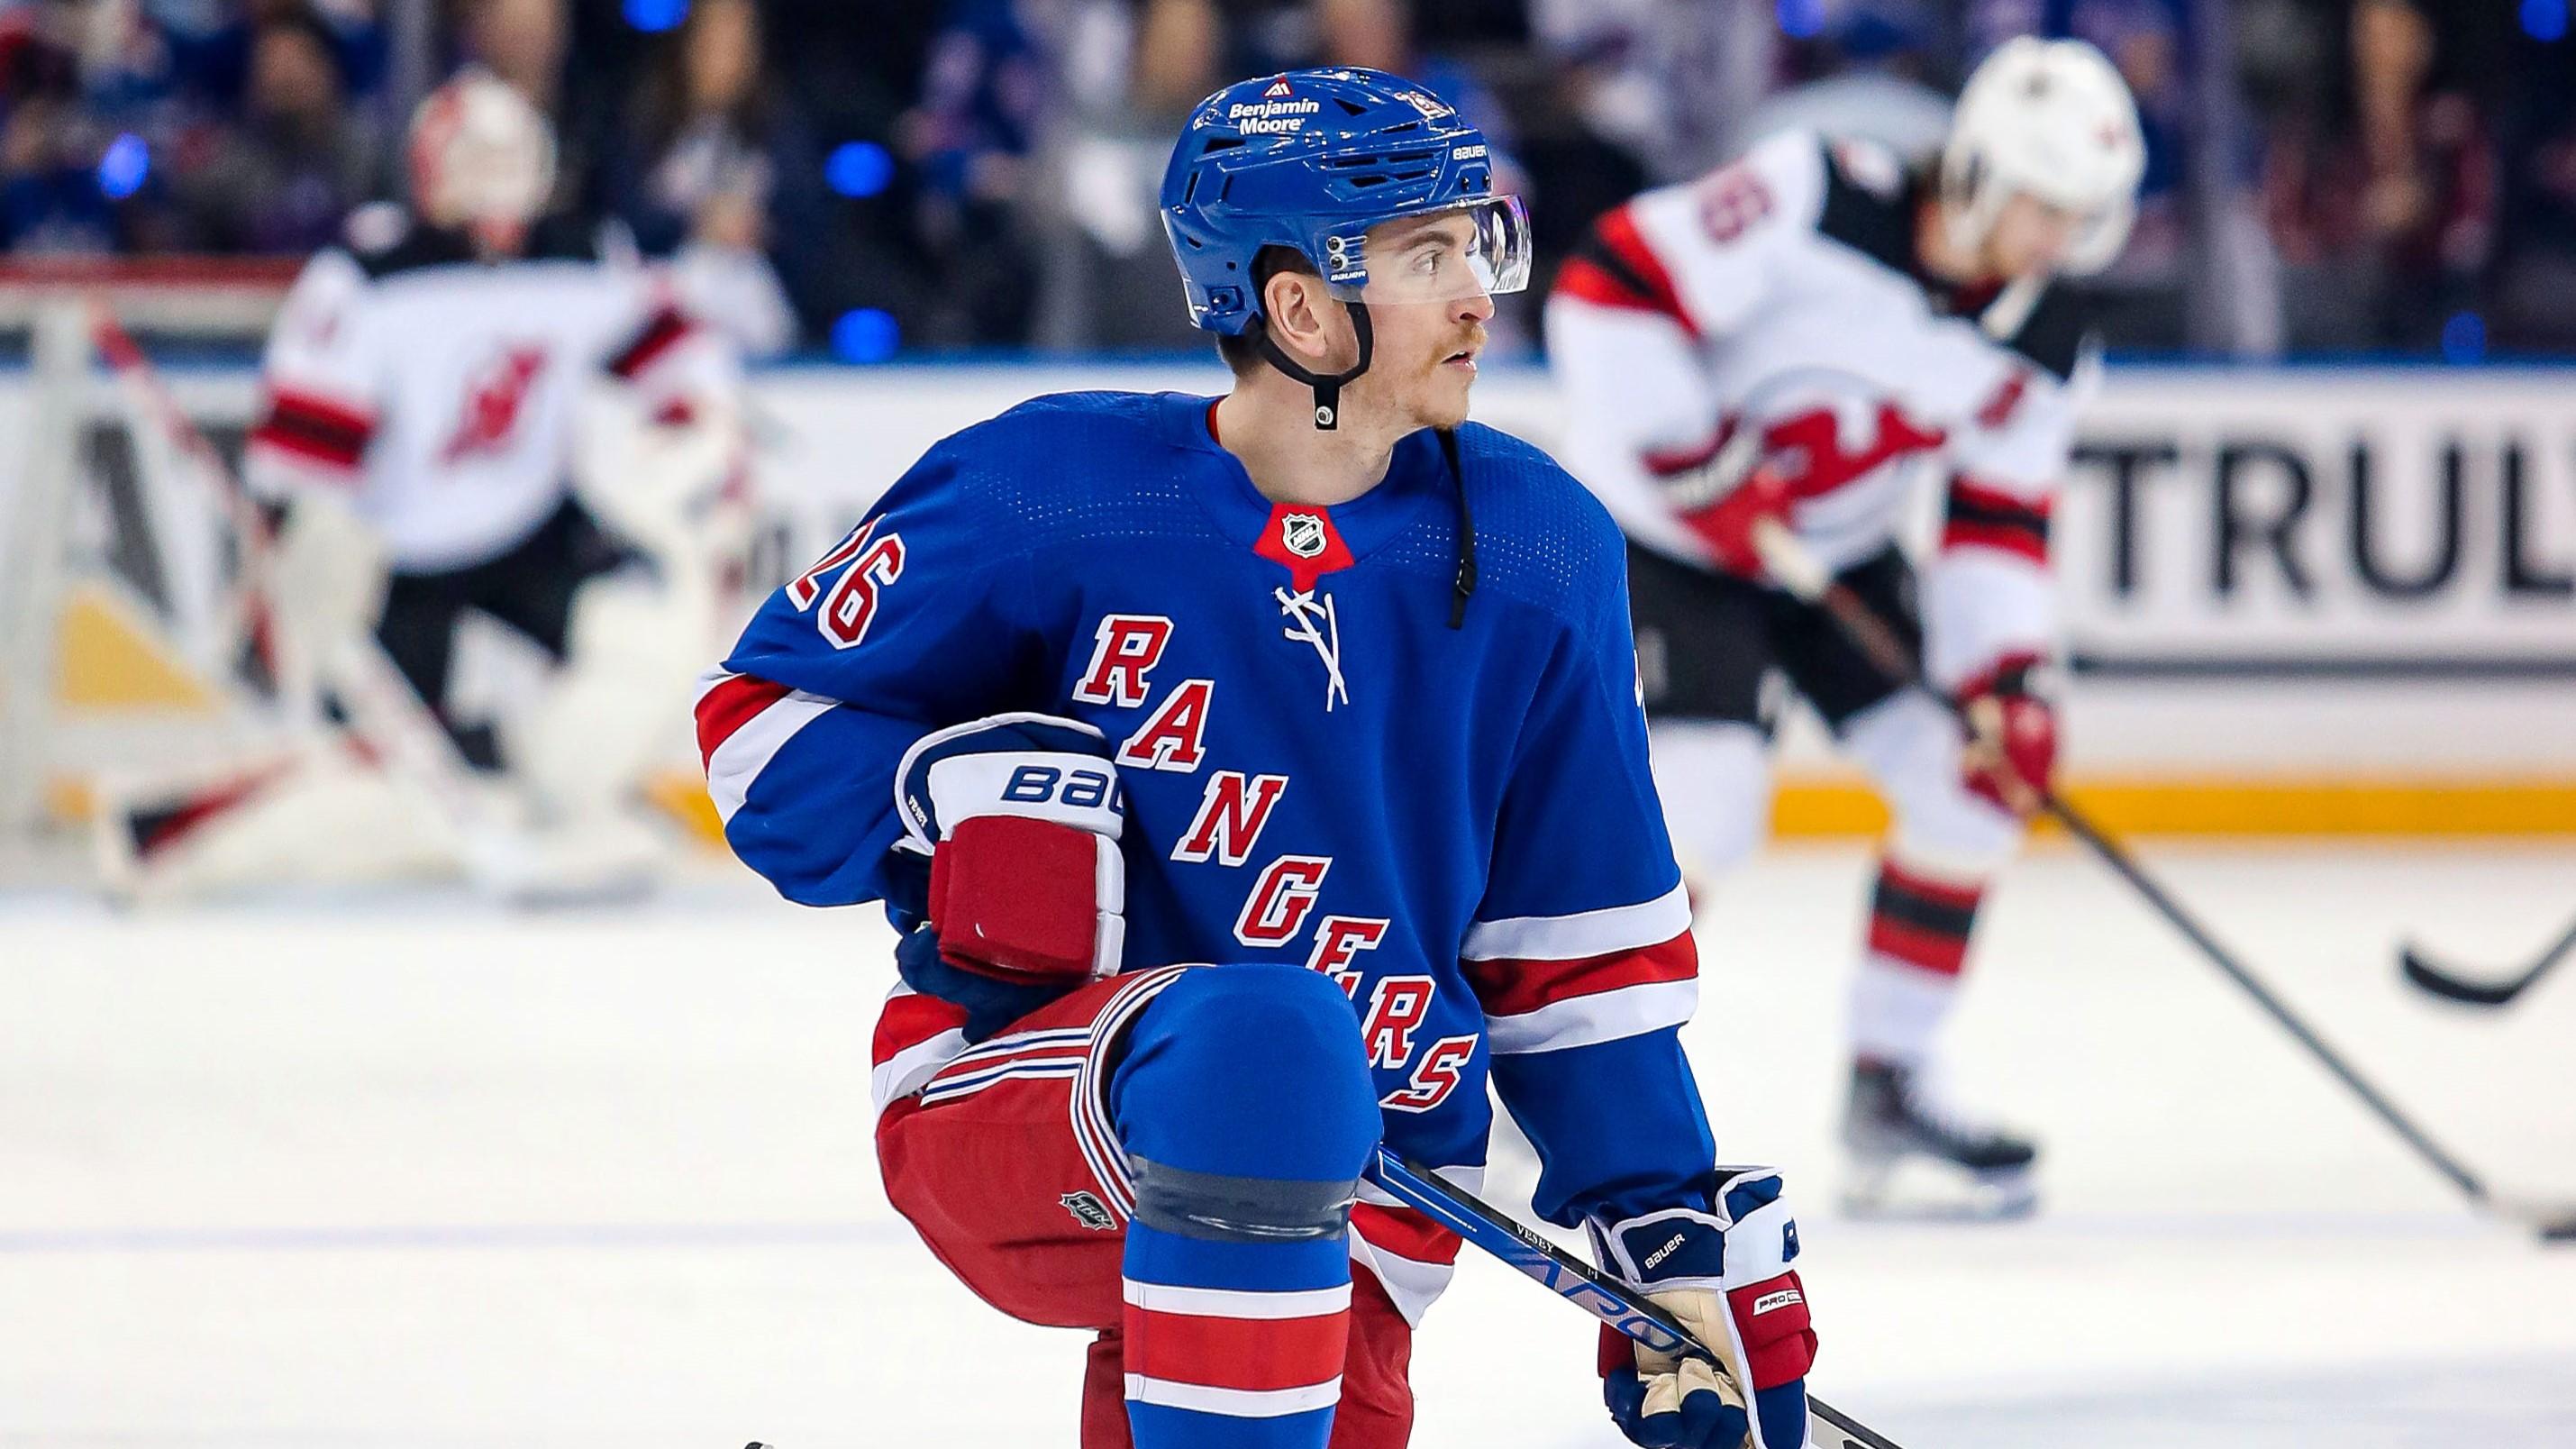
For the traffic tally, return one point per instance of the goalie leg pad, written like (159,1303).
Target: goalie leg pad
(631,654)
(326,818)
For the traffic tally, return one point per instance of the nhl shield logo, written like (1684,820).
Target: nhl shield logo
(1089,1211)
(1303,533)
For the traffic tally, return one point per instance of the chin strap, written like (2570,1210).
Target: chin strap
(1328,413)
(1463,586)
(1328,390)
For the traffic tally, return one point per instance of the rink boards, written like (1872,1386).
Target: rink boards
(2300,600)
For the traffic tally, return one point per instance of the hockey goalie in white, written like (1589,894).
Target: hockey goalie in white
(1787,344)
(469,408)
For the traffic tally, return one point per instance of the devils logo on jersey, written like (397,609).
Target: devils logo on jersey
(494,401)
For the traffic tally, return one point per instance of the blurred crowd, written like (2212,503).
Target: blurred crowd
(880,175)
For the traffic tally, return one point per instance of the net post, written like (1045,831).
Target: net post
(33,550)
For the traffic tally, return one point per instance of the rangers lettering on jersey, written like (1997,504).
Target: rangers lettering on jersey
(1295,791)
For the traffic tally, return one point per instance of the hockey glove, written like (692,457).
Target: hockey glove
(1726,1277)
(1727,524)
(2012,742)
(1019,815)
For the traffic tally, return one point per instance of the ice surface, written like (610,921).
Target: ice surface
(410,1171)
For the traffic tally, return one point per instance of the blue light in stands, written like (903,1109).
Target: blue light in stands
(866,334)
(656,15)
(858,168)
(1802,19)
(124,165)
(2464,337)
(2544,19)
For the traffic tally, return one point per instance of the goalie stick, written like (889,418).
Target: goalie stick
(1798,571)
(2441,982)
(1581,1284)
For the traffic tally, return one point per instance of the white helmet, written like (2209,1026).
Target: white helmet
(2051,118)
(480,153)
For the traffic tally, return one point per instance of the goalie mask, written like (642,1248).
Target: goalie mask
(482,158)
(2053,120)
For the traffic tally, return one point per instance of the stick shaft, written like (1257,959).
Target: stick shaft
(1875,638)
(1579,1283)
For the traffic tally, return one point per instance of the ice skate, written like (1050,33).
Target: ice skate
(1914,1156)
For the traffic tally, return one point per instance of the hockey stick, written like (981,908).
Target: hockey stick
(2477,993)
(1583,1285)
(1796,570)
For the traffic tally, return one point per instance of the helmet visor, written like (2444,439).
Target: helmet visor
(1479,249)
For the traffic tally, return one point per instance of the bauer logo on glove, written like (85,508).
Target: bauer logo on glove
(1725,1276)
(1020,816)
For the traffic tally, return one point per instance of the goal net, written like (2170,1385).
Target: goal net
(119,631)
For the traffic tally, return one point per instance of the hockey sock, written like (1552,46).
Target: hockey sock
(1247,1112)
(1919,924)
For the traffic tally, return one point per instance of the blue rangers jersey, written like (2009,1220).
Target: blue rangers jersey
(1331,754)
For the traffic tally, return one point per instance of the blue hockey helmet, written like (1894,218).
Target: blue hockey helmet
(1312,160)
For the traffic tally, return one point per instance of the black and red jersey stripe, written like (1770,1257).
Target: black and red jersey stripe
(1984,517)
(1615,268)
(314,427)
(658,335)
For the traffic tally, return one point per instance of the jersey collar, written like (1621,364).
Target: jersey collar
(1306,540)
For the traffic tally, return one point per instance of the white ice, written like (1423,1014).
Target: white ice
(414,1171)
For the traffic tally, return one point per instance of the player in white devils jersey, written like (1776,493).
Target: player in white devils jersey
(468,409)
(1871,322)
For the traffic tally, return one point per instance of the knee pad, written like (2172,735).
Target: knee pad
(1911,745)
(1245,1105)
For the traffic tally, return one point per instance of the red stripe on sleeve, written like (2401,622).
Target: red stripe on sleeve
(729,706)
(908,1021)
(313,407)
(2016,541)
(661,332)
(309,449)
(1237,1353)
(1982,516)
(1618,232)
(1596,284)
(1509,987)
(1986,496)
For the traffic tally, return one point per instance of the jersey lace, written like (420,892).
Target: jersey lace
(1313,620)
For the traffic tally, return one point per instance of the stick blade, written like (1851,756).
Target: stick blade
(2452,988)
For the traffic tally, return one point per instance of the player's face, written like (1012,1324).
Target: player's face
(2030,236)
(1425,351)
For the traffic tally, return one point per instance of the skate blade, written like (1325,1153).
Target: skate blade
(1912,1188)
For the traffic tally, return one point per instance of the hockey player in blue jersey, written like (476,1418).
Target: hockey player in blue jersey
(1252,778)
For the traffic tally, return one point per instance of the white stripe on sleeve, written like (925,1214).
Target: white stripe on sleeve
(737,762)
(1583,934)
(1585,1020)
